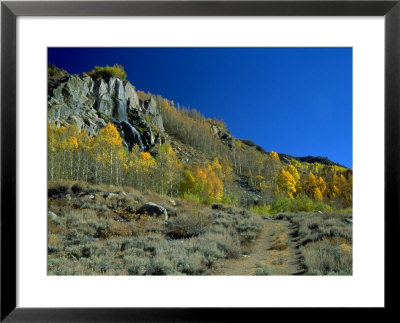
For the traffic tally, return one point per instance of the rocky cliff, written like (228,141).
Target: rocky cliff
(90,104)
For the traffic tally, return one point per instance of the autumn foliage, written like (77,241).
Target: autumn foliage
(104,159)
(203,183)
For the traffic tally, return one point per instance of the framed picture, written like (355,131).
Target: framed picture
(139,185)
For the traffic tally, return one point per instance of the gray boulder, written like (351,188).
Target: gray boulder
(153,209)
(52,215)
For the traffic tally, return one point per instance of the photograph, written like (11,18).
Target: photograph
(202,161)
(198,164)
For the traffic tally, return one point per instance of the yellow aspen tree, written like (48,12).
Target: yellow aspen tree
(196,180)
(57,151)
(107,144)
(214,188)
(143,95)
(316,168)
(227,170)
(335,192)
(71,146)
(122,158)
(295,163)
(322,186)
(67,146)
(341,182)
(216,167)
(169,169)
(227,176)
(161,162)
(310,184)
(188,184)
(128,171)
(334,180)
(255,166)
(146,163)
(293,171)
(131,166)
(317,195)
(345,187)
(200,175)
(174,169)
(273,168)
(349,190)
(165,105)
(236,149)
(315,187)
(296,176)
(89,159)
(274,156)
(286,183)
(52,150)
(82,164)
(72,134)
(339,190)
(62,137)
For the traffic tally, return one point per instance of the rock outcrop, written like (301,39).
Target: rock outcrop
(153,209)
(223,135)
(91,104)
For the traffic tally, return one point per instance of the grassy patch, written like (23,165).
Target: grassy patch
(108,71)
(299,204)
(260,209)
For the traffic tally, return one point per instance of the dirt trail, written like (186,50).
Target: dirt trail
(272,253)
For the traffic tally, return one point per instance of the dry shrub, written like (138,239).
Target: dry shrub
(127,215)
(322,258)
(337,241)
(55,228)
(54,240)
(278,245)
(145,224)
(116,229)
(58,205)
(186,226)
(121,229)
(346,249)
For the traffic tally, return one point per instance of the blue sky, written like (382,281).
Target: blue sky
(291,100)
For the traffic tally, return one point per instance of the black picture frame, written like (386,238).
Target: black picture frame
(10,10)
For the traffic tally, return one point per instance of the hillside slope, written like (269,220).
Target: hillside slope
(147,121)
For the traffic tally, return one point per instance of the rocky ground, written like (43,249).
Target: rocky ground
(105,230)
